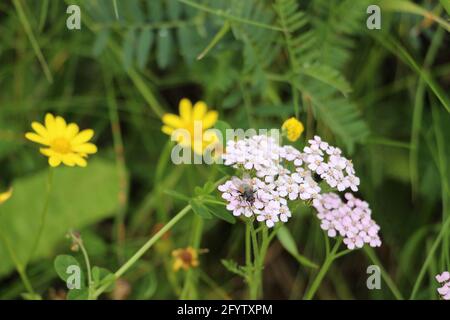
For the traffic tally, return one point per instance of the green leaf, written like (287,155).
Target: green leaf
(128,49)
(144,46)
(100,42)
(176,195)
(79,197)
(164,48)
(233,267)
(62,263)
(102,276)
(221,213)
(82,294)
(288,243)
(222,126)
(200,209)
(327,75)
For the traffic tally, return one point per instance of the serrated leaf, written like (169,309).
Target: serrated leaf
(233,267)
(102,276)
(176,195)
(328,75)
(200,209)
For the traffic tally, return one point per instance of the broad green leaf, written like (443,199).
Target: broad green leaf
(79,197)
(200,209)
(62,263)
(288,243)
(82,294)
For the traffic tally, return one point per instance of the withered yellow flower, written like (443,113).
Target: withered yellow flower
(185,258)
(64,142)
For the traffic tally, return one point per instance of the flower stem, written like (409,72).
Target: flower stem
(88,264)
(43,217)
(330,257)
(127,265)
(19,267)
(256,278)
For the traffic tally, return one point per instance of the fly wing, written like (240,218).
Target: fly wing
(237,183)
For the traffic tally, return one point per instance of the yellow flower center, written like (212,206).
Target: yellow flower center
(60,145)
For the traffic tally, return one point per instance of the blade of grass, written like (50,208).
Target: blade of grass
(28,30)
(418,109)
(387,278)
(397,49)
(409,7)
(226,15)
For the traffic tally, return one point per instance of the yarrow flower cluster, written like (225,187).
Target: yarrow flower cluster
(444,280)
(352,220)
(278,174)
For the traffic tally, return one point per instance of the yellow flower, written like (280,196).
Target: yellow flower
(185,258)
(293,129)
(195,121)
(64,142)
(5,195)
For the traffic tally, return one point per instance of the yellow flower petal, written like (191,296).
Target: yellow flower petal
(199,110)
(60,125)
(210,119)
(54,161)
(5,195)
(47,152)
(36,138)
(50,124)
(172,120)
(40,129)
(167,130)
(185,107)
(82,137)
(79,161)
(68,160)
(85,148)
(71,131)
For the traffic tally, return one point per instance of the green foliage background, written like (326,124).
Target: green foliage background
(381,95)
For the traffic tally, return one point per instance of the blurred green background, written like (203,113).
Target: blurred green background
(381,95)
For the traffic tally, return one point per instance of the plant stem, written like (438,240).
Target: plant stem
(19,267)
(256,279)
(431,252)
(145,248)
(88,263)
(43,217)
(322,272)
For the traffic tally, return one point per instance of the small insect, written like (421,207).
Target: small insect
(245,188)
